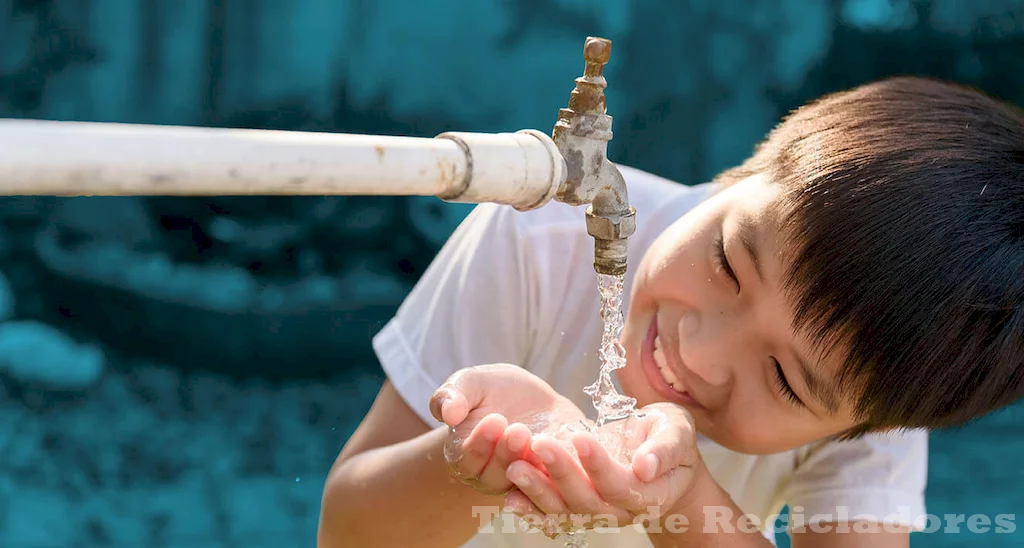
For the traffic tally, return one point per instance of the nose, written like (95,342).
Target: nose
(710,345)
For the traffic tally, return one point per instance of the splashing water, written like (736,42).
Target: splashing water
(610,405)
(576,539)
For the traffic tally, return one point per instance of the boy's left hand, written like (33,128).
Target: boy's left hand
(600,490)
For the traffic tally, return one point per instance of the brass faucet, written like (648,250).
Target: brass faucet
(581,135)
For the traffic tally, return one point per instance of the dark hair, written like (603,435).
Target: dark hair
(903,210)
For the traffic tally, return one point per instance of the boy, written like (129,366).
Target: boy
(858,281)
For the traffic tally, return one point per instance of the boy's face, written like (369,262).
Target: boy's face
(723,342)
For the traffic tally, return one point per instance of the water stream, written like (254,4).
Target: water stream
(609,403)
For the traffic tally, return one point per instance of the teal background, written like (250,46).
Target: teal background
(182,372)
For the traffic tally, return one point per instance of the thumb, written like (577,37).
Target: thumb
(463,392)
(671,442)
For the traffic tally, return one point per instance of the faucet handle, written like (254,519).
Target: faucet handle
(588,98)
(596,52)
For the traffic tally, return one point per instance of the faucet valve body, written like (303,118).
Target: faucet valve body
(582,134)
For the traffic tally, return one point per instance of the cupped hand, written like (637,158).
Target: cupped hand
(493,411)
(654,470)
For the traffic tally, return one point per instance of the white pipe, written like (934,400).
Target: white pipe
(522,169)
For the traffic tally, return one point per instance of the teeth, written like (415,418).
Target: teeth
(666,372)
(670,377)
(659,358)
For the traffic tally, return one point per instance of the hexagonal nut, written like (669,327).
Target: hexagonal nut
(617,228)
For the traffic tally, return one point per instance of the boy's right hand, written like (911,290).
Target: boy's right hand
(488,404)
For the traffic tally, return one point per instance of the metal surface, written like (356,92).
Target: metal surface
(582,134)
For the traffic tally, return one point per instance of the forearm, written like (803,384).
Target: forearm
(708,517)
(400,495)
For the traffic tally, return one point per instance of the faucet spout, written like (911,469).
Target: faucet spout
(581,135)
(611,220)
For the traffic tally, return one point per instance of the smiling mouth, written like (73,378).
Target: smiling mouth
(659,374)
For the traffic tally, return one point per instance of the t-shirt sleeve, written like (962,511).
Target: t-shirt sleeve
(468,308)
(880,477)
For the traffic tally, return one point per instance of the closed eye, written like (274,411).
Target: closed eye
(783,386)
(722,261)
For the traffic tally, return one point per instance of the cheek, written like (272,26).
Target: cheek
(763,432)
(679,258)
(750,418)
(763,427)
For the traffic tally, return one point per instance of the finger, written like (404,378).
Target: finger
(512,445)
(449,405)
(521,505)
(570,478)
(622,438)
(522,433)
(612,480)
(478,447)
(537,487)
(518,503)
(463,392)
(670,443)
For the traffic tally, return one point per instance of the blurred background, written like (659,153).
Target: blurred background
(182,372)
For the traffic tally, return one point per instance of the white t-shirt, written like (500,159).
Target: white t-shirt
(519,287)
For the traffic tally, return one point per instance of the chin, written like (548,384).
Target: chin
(749,442)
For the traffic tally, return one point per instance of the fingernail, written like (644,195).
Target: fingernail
(522,481)
(583,449)
(442,397)
(447,395)
(516,444)
(652,463)
(546,456)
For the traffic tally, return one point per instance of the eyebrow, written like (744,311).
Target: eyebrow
(820,389)
(747,233)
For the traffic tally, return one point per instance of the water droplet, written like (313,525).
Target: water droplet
(296,480)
